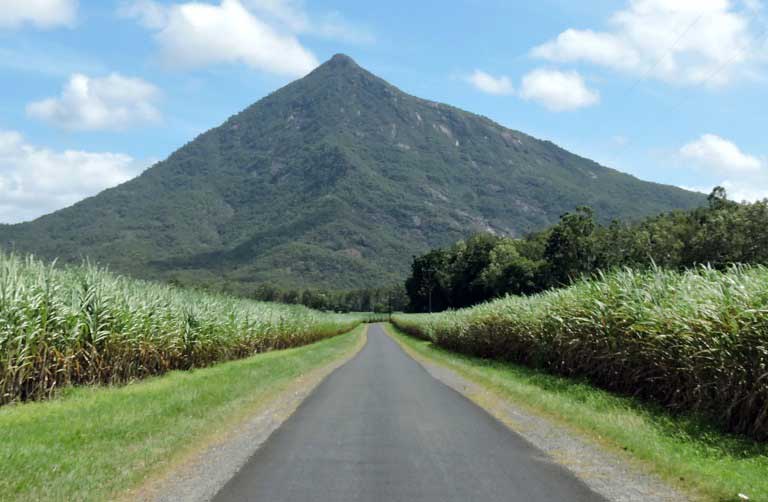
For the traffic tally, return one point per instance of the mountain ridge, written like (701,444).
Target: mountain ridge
(334,180)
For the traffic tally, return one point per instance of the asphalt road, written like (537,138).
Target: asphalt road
(381,428)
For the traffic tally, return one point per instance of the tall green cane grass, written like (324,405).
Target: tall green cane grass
(691,341)
(83,326)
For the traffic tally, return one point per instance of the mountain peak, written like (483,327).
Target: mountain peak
(335,181)
(339,78)
(342,61)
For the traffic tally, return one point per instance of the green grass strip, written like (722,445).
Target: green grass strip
(93,443)
(683,449)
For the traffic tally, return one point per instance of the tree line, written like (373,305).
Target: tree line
(486,266)
(379,300)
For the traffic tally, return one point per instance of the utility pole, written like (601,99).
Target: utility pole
(428,283)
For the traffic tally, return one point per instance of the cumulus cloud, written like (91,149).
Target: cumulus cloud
(558,91)
(489,84)
(36,180)
(148,13)
(113,102)
(740,190)
(193,35)
(39,13)
(287,12)
(721,155)
(742,175)
(291,16)
(682,42)
(262,34)
(746,190)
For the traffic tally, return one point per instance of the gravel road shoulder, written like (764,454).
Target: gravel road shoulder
(610,474)
(202,474)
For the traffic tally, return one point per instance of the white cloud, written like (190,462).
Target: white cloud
(586,45)
(742,175)
(39,13)
(746,190)
(684,42)
(193,35)
(558,91)
(292,17)
(489,84)
(262,34)
(36,180)
(148,13)
(740,191)
(112,102)
(287,12)
(720,155)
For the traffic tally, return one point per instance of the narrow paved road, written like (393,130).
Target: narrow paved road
(381,428)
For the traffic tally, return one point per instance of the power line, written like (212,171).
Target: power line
(667,52)
(763,38)
(631,89)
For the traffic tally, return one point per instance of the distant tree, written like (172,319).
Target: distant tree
(426,287)
(468,260)
(570,250)
(266,293)
(291,297)
(718,198)
(483,267)
(509,272)
(366,301)
(398,298)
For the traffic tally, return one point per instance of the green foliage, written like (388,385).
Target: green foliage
(691,341)
(684,448)
(94,444)
(83,325)
(334,181)
(510,268)
(378,300)
(719,235)
(569,250)
(429,281)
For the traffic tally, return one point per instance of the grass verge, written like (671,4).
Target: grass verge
(685,450)
(93,443)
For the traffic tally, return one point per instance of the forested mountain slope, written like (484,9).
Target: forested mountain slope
(335,180)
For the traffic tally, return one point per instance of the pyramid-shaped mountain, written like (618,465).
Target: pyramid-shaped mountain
(335,180)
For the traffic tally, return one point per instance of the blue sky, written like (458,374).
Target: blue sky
(95,91)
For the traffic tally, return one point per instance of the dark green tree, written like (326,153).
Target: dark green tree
(570,251)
